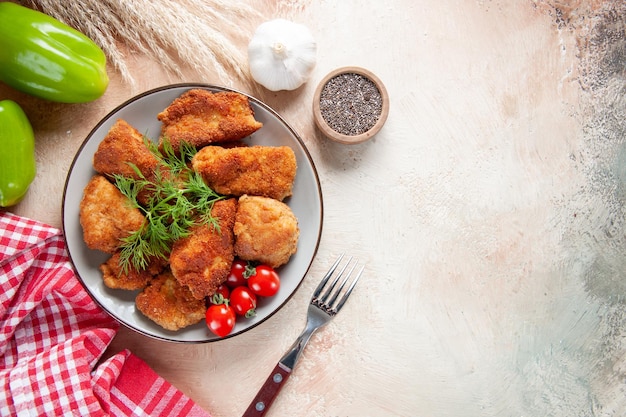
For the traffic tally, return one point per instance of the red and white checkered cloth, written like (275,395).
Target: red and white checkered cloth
(52,335)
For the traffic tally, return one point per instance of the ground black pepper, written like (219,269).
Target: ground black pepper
(350,104)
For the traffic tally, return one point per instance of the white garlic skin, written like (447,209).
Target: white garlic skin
(282,55)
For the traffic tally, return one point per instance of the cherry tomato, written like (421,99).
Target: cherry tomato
(240,270)
(221,294)
(220,318)
(243,301)
(265,282)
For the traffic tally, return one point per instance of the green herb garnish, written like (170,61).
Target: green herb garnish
(179,198)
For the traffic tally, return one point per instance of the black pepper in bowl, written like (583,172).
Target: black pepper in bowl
(350,105)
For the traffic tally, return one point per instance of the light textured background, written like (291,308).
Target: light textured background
(489,210)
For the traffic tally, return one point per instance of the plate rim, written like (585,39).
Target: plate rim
(212,87)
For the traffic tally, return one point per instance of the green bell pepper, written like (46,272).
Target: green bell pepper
(45,58)
(17,153)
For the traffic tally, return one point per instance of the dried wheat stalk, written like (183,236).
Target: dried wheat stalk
(201,34)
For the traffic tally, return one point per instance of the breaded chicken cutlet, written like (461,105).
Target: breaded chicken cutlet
(169,304)
(267,171)
(266,230)
(202,260)
(200,117)
(106,215)
(122,146)
(115,277)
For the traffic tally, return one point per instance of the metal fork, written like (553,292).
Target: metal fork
(328,299)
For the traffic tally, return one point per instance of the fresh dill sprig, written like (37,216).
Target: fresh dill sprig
(179,199)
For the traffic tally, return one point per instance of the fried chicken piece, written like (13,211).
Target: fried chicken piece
(114,276)
(106,215)
(123,145)
(169,304)
(202,260)
(266,230)
(267,171)
(201,117)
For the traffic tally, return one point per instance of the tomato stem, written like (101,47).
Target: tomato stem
(250,270)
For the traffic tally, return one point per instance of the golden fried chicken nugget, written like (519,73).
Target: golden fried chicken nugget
(114,276)
(106,215)
(123,144)
(202,260)
(267,171)
(169,304)
(200,117)
(266,230)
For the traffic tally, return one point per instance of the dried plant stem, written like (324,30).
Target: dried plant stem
(199,34)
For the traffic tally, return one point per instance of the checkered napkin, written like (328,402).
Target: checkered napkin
(52,335)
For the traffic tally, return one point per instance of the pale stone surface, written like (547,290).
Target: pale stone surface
(489,210)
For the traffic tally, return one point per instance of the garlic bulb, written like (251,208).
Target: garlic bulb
(281,54)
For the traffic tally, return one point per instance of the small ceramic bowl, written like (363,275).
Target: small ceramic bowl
(332,114)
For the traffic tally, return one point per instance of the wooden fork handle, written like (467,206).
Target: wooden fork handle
(268,392)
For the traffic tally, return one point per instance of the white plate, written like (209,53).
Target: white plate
(141,112)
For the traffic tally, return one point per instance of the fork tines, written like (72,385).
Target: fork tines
(329,301)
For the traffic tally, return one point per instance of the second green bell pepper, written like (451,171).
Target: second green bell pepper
(43,57)
(17,153)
